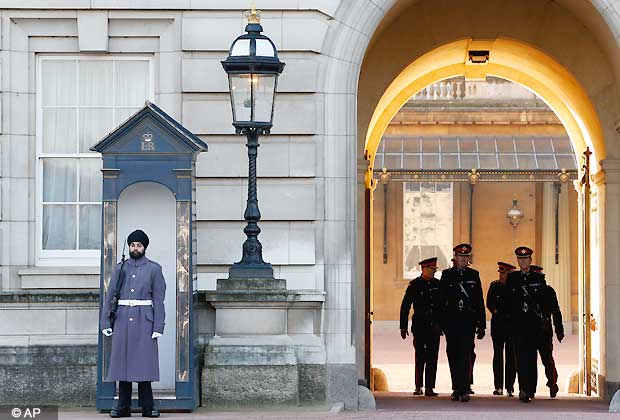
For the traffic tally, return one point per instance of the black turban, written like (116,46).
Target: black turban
(138,236)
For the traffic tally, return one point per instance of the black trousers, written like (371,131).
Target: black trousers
(145,395)
(459,347)
(527,360)
(503,344)
(545,349)
(426,344)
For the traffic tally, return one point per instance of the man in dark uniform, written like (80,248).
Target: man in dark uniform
(550,310)
(138,322)
(423,294)
(497,303)
(526,290)
(463,317)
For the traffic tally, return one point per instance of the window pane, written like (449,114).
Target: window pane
(507,162)
(543,145)
(449,145)
(566,161)
(58,82)
(430,161)
(449,161)
(95,123)
(524,145)
(59,130)
(264,88)
(411,145)
(411,162)
(379,161)
(59,178)
(430,145)
(90,180)
(469,162)
(505,144)
(488,161)
(392,145)
(59,227)
(486,144)
(95,83)
(562,145)
(90,226)
(132,83)
(241,96)
(546,162)
(467,145)
(392,161)
(526,161)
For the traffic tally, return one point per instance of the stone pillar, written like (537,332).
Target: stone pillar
(267,349)
(557,275)
(609,323)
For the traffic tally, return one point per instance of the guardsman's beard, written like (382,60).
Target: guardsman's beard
(136,255)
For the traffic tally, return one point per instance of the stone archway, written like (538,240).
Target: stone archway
(378,41)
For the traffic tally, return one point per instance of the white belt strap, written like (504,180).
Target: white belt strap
(134,302)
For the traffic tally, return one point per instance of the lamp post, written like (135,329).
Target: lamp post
(253,68)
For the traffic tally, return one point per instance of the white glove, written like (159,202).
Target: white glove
(107,332)
(156,335)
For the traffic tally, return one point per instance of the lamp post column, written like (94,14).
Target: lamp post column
(252,264)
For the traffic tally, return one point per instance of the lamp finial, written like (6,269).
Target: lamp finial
(253,16)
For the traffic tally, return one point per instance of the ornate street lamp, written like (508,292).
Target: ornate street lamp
(253,68)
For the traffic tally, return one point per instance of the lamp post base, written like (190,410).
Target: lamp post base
(251,271)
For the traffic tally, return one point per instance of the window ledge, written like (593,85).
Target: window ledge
(59,277)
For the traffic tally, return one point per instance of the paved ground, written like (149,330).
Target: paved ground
(392,406)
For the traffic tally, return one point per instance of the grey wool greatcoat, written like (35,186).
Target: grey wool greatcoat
(134,356)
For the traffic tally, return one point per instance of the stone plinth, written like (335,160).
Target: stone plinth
(267,349)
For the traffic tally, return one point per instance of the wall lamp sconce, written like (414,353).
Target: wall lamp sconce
(515,214)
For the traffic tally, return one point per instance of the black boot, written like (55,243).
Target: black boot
(430,392)
(553,390)
(150,413)
(117,412)
(418,390)
(523,396)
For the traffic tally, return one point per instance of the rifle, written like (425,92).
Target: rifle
(120,280)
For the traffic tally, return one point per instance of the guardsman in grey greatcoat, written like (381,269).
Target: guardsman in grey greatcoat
(463,317)
(501,332)
(550,309)
(138,322)
(423,294)
(526,291)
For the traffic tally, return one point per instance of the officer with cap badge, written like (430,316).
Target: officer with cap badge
(423,294)
(497,304)
(526,291)
(463,317)
(135,326)
(550,310)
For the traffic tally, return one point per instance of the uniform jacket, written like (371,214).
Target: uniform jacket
(134,355)
(527,293)
(551,310)
(498,305)
(461,309)
(425,298)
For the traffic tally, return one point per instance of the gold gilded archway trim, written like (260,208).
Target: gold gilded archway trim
(508,59)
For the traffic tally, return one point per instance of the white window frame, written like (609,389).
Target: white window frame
(76,257)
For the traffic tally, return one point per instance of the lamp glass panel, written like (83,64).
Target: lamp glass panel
(264,86)
(241,96)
